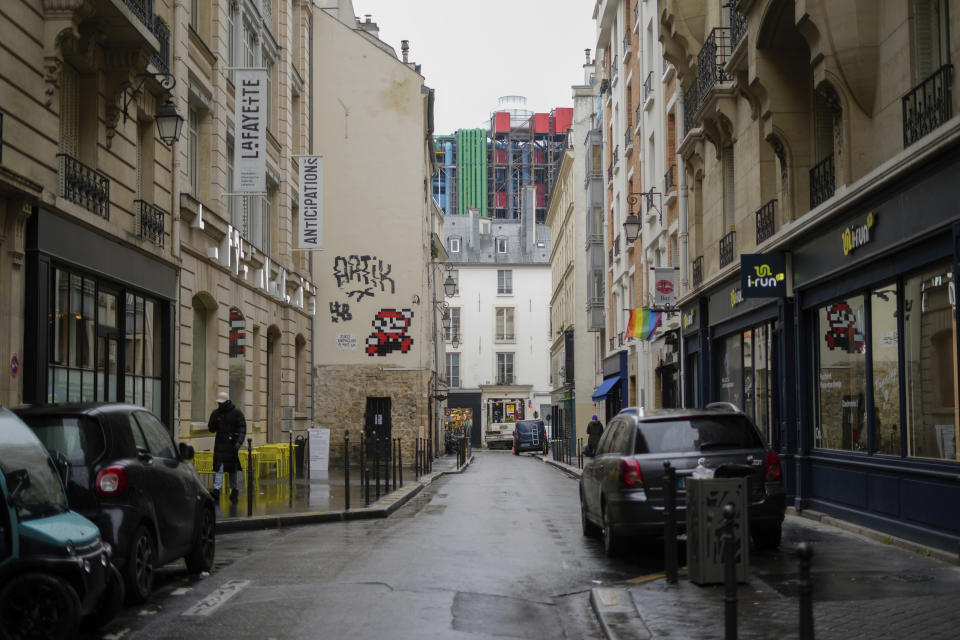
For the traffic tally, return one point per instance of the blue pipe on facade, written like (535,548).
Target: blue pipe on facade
(448,177)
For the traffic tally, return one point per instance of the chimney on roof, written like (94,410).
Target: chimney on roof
(405,48)
(367,16)
(587,51)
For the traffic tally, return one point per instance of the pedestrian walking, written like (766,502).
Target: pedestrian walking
(228,423)
(594,431)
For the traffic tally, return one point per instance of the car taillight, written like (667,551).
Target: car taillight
(630,476)
(111,481)
(771,467)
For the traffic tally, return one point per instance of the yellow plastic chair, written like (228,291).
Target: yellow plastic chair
(203,461)
(270,455)
(256,464)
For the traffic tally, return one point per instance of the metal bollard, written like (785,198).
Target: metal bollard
(362,460)
(290,438)
(400,460)
(393,461)
(429,452)
(376,463)
(249,477)
(346,470)
(366,472)
(670,521)
(729,575)
(416,459)
(805,553)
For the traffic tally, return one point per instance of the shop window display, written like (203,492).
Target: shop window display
(884,351)
(930,347)
(841,376)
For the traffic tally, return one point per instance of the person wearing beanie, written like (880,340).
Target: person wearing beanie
(228,423)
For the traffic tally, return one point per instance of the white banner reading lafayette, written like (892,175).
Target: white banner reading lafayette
(250,131)
(310,234)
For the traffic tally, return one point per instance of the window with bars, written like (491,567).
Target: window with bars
(504,331)
(504,281)
(931,40)
(453,370)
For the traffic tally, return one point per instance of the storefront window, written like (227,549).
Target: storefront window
(730,370)
(841,376)
(884,352)
(930,347)
(73,322)
(762,375)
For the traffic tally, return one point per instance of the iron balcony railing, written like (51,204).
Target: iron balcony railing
(143,10)
(727,248)
(822,182)
(738,27)
(928,105)
(613,67)
(150,222)
(620,339)
(628,137)
(161,60)
(83,186)
(610,256)
(610,172)
(698,271)
(616,155)
(616,245)
(669,182)
(766,220)
(648,86)
(691,101)
(711,61)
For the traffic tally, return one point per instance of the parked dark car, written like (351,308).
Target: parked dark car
(55,568)
(529,435)
(621,489)
(127,476)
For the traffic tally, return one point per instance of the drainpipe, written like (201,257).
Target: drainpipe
(684,238)
(175,240)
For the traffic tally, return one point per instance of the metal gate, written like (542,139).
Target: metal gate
(377,418)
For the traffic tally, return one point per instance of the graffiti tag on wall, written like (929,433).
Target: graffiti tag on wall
(390,329)
(363,276)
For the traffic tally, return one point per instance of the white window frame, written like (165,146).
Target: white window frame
(501,245)
(505,325)
(454,329)
(454,244)
(453,370)
(504,282)
(506,372)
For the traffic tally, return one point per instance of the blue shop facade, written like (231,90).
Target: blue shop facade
(852,373)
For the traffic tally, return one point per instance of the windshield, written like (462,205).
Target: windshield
(21,451)
(697,434)
(78,438)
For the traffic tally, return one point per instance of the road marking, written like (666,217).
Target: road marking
(117,635)
(648,578)
(607,597)
(181,591)
(213,601)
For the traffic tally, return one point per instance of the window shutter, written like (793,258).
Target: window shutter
(823,128)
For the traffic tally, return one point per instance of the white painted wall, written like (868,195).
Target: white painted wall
(478,299)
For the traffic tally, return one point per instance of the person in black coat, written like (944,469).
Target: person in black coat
(228,423)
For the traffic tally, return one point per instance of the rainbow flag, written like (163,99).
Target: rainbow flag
(643,323)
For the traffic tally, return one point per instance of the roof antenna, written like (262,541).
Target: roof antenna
(587,51)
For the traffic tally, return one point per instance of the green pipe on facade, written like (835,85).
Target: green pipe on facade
(472,170)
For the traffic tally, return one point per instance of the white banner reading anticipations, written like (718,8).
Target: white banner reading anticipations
(310,235)
(664,287)
(250,132)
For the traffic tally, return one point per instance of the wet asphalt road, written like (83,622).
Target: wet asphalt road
(493,552)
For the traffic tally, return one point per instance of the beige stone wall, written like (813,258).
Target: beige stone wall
(342,392)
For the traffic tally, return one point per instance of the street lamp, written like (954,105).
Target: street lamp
(631,227)
(633,219)
(169,120)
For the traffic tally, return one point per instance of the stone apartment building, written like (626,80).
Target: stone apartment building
(819,146)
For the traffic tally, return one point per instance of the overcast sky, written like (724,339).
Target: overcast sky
(474,51)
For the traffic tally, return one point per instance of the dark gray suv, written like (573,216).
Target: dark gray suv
(621,490)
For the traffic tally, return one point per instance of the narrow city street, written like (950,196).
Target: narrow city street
(493,552)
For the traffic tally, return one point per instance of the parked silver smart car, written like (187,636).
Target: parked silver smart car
(621,489)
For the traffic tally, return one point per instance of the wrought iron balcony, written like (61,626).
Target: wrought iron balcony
(698,271)
(822,182)
(161,60)
(610,172)
(766,220)
(727,248)
(616,245)
(928,105)
(610,256)
(738,28)
(648,87)
(613,67)
(628,138)
(143,10)
(149,222)
(669,182)
(711,61)
(83,186)
(620,339)
(691,101)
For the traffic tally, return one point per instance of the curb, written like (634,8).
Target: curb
(573,472)
(381,509)
(617,614)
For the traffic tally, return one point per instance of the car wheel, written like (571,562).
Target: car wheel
(39,605)
(590,530)
(140,566)
(110,602)
(767,536)
(611,543)
(204,549)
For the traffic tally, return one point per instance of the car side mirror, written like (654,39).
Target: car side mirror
(63,467)
(186,451)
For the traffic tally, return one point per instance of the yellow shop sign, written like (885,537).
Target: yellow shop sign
(855,236)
